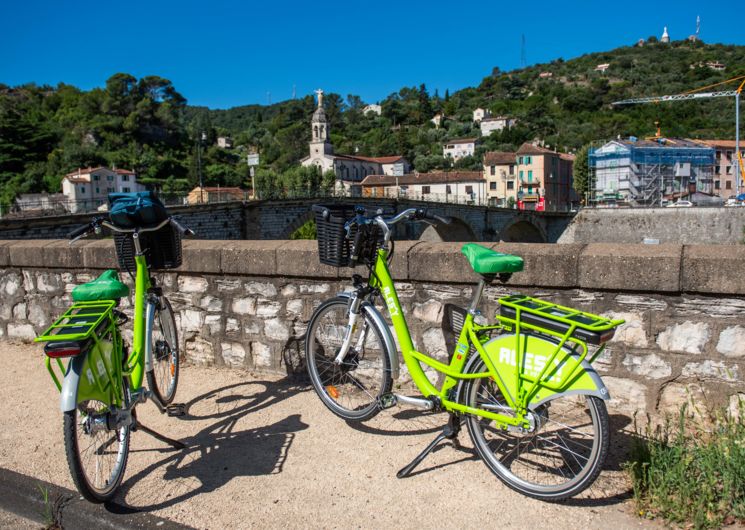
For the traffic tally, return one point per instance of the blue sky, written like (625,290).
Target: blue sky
(222,54)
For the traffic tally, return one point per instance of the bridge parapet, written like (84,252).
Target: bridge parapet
(246,303)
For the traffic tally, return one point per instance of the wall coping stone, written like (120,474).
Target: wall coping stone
(708,269)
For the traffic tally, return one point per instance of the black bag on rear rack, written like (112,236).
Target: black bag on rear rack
(140,209)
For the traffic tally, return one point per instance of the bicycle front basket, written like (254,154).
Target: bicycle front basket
(162,249)
(333,246)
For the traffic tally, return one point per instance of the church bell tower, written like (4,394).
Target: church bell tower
(319,143)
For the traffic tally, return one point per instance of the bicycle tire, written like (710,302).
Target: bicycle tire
(91,484)
(163,378)
(353,389)
(561,451)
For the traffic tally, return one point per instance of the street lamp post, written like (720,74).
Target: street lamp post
(202,138)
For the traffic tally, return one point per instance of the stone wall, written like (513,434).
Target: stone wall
(690,226)
(245,304)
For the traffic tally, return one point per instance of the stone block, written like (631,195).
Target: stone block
(61,255)
(29,253)
(250,258)
(4,252)
(736,409)
(191,320)
(232,326)
(314,288)
(300,258)
(267,308)
(262,355)
(295,307)
(713,269)
(49,283)
(439,262)
(200,351)
(213,324)
(399,266)
(264,289)
(244,306)
(630,267)
(233,353)
(276,329)
(632,331)
(192,284)
(100,254)
(430,311)
(20,312)
(651,366)
(626,396)
(12,284)
(714,370)
(199,255)
(24,332)
(545,265)
(732,342)
(211,304)
(688,337)
(675,396)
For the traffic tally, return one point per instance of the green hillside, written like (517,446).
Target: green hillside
(147,126)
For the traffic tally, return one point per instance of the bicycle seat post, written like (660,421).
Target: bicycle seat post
(477,296)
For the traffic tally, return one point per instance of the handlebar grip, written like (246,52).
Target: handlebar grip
(80,231)
(181,228)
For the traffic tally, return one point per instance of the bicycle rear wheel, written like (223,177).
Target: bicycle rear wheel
(352,389)
(559,459)
(96,455)
(163,378)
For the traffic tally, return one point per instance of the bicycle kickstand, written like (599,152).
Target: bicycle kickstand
(449,432)
(165,439)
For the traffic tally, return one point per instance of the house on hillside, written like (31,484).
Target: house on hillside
(462,187)
(501,177)
(479,114)
(224,142)
(210,194)
(40,202)
(457,149)
(350,170)
(375,109)
(544,179)
(87,189)
(497,123)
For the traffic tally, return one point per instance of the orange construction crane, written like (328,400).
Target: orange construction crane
(699,93)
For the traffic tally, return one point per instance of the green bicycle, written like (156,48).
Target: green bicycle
(525,387)
(103,382)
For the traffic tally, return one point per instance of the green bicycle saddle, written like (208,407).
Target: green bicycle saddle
(105,287)
(487,261)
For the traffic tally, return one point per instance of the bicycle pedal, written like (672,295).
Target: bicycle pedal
(387,401)
(176,409)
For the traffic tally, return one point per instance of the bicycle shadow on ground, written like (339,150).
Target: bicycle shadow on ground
(218,453)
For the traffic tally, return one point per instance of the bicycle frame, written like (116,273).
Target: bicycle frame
(469,336)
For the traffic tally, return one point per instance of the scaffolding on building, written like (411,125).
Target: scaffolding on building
(648,172)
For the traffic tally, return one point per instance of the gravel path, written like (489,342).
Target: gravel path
(264,453)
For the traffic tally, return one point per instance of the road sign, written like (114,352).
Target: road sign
(253,160)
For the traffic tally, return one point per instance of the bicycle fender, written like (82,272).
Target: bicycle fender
(69,395)
(389,343)
(537,352)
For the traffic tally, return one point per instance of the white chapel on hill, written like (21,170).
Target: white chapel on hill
(350,170)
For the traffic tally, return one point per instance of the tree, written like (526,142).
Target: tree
(581,171)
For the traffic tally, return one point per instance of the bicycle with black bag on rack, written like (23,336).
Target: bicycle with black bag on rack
(102,383)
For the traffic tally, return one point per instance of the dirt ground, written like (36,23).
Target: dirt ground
(266,453)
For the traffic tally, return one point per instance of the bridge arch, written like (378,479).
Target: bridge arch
(457,230)
(299,221)
(523,230)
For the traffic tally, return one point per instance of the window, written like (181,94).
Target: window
(82,189)
(125,190)
(447,189)
(96,177)
(519,160)
(521,174)
(530,190)
(530,175)
(492,185)
(512,169)
(729,170)
(493,170)
(510,184)
(111,190)
(98,191)
(109,177)
(717,185)
(125,178)
(425,190)
(728,185)
(528,159)
(469,189)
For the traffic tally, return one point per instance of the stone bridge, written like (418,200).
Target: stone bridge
(279,219)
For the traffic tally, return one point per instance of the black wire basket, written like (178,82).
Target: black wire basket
(334,247)
(162,249)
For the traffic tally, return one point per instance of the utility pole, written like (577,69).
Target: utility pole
(202,136)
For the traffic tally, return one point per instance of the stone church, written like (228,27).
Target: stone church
(350,170)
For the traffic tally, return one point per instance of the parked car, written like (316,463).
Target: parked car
(680,204)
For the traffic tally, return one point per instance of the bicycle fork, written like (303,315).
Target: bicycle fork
(355,303)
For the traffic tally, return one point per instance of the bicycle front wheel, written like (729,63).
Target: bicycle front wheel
(352,389)
(96,455)
(560,458)
(163,378)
